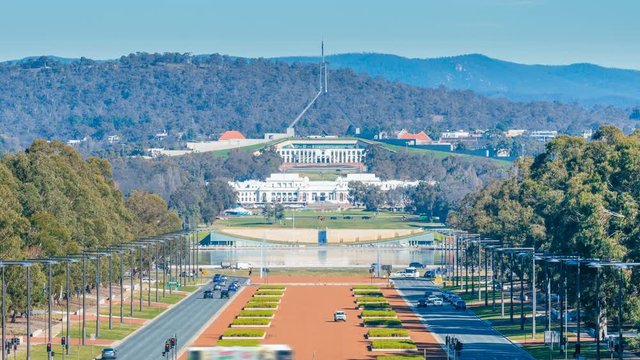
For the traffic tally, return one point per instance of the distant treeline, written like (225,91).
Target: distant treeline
(194,97)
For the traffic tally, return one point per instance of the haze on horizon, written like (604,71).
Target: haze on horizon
(523,31)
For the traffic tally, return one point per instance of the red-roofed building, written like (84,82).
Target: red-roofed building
(231,135)
(421,136)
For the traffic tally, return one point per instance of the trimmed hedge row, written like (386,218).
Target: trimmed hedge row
(393,344)
(226,342)
(274,299)
(375,306)
(257,304)
(379,313)
(244,333)
(360,287)
(270,292)
(251,321)
(371,299)
(368,293)
(382,322)
(256,313)
(387,333)
(279,287)
(400,357)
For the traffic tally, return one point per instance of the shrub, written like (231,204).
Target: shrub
(279,287)
(257,313)
(379,313)
(243,342)
(360,287)
(387,333)
(383,322)
(371,299)
(368,293)
(265,299)
(270,292)
(393,344)
(400,357)
(375,306)
(251,321)
(244,333)
(256,304)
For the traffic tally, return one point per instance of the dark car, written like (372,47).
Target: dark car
(422,303)
(109,353)
(460,305)
(217,278)
(233,287)
(416,265)
(224,294)
(208,294)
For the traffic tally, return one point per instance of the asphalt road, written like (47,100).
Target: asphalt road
(480,340)
(184,320)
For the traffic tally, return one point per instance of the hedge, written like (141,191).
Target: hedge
(270,292)
(387,333)
(279,287)
(382,322)
(361,287)
(368,293)
(375,306)
(257,313)
(379,313)
(257,304)
(371,299)
(400,357)
(274,299)
(243,342)
(244,333)
(251,321)
(393,344)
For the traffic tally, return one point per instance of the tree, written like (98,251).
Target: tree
(151,215)
(268,212)
(278,212)
(374,198)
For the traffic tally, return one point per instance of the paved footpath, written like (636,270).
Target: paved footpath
(185,320)
(480,340)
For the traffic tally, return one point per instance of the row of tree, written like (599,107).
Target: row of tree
(577,198)
(53,203)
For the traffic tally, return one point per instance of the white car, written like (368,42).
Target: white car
(339,316)
(435,300)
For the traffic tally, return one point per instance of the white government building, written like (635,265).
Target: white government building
(293,189)
(323,151)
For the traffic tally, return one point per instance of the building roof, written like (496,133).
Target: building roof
(404,134)
(231,135)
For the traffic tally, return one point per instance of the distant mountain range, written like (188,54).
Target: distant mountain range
(587,84)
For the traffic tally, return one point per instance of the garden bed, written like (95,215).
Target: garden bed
(400,357)
(374,306)
(388,323)
(365,287)
(266,299)
(244,334)
(256,314)
(272,287)
(251,322)
(237,342)
(393,345)
(376,293)
(264,305)
(387,334)
(366,314)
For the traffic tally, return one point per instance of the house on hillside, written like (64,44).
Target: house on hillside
(231,135)
(419,137)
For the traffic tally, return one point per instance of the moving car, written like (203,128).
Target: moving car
(208,294)
(435,300)
(217,287)
(224,294)
(233,287)
(460,305)
(109,353)
(416,265)
(217,278)
(339,316)
(422,303)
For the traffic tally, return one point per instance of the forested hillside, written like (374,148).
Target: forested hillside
(193,97)
(577,198)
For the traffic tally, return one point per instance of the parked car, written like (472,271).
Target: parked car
(339,316)
(460,305)
(416,265)
(109,353)
(208,294)
(224,294)
(148,280)
(422,303)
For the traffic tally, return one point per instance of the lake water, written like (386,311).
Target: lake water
(329,256)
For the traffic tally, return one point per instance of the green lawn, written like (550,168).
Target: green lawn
(147,312)
(168,299)
(440,154)
(39,352)
(119,331)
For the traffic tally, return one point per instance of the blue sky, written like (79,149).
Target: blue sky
(526,31)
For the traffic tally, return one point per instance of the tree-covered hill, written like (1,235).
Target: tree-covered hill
(53,202)
(194,97)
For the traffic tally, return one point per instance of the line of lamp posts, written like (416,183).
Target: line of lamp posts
(465,254)
(177,252)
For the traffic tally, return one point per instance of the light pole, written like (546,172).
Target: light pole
(26,264)
(49,263)
(67,260)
